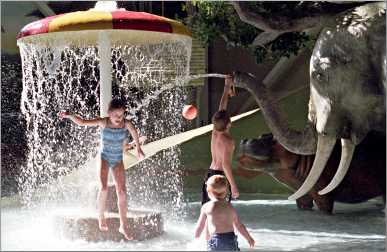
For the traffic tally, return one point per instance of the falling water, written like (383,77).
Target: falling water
(66,77)
(56,78)
(156,102)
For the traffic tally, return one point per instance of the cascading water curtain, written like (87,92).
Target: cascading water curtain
(145,75)
(55,78)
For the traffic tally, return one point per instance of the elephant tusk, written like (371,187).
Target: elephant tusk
(346,157)
(325,146)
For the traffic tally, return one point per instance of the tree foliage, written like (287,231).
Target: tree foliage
(218,19)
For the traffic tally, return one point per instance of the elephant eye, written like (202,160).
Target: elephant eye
(318,76)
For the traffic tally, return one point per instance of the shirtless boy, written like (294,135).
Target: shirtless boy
(221,218)
(222,145)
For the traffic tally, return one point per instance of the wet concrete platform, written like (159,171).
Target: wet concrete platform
(142,225)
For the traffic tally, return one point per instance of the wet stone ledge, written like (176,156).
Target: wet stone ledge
(142,225)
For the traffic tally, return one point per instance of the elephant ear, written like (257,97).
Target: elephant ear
(260,148)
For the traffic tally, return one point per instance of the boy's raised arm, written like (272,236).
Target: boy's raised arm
(227,87)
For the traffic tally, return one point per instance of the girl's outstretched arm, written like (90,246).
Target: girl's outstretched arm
(82,122)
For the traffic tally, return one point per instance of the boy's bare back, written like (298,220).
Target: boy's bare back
(219,216)
(221,143)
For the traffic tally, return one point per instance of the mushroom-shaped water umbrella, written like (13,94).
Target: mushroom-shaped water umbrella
(106,29)
(70,59)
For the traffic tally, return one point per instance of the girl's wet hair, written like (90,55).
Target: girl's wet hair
(217,185)
(116,103)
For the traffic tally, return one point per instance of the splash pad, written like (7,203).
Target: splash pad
(77,62)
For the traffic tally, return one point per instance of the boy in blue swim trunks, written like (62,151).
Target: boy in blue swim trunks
(115,131)
(221,218)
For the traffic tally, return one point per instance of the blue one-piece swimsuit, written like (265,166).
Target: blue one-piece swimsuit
(112,144)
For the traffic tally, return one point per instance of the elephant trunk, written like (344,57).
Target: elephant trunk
(299,142)
(325,146)
(347,149)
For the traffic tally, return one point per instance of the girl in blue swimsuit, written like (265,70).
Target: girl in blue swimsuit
(115,130)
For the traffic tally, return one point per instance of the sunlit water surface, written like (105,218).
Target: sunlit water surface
(276,225)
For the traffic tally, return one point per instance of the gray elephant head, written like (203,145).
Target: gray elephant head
(347,92)
(347,87)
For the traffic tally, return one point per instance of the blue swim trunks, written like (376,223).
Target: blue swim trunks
(112,144)
(222,242)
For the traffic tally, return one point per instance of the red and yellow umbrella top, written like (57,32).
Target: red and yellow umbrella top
(104,20)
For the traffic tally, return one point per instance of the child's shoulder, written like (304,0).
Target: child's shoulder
(104,122)
(230,208)
(225,205)
(217,204)
(208,205)
(227,139)
(230,140)
(127,121)
(229,205)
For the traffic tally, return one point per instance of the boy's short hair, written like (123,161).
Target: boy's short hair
(217,185)
(116,103)
(220,120)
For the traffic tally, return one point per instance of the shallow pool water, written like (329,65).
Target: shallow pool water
(276,224)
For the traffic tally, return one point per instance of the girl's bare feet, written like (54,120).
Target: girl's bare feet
(102,224)
(124,231)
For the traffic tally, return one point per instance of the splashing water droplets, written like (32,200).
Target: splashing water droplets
(67,77)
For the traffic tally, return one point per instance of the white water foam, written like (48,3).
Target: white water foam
(28,231)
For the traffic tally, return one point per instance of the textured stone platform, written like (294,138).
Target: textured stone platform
(142,225)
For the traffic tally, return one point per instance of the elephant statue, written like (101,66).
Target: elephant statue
(365,179)
(347,94)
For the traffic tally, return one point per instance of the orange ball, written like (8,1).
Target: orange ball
(190,112)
